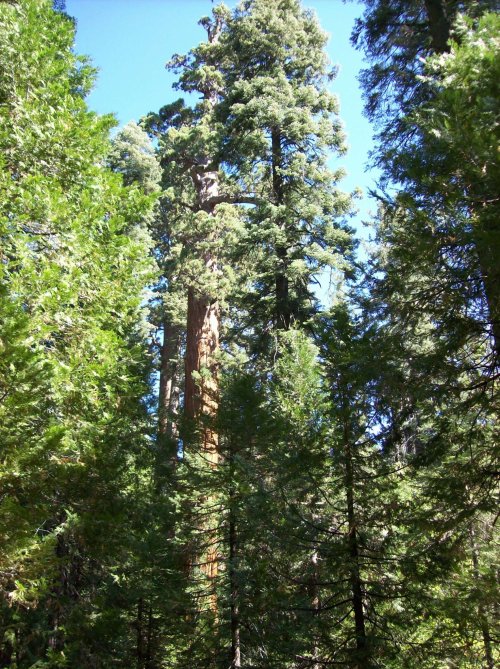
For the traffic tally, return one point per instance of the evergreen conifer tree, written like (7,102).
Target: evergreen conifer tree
(74,267)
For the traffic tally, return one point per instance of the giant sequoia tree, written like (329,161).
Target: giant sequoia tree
(239,146)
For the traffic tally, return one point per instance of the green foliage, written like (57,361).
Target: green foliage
(348,494)
(74,349)
(133,156)
(433,293)
(281,122)
(397,37)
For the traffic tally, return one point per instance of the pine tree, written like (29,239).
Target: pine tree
(281,122)
(422,120)
(433,296)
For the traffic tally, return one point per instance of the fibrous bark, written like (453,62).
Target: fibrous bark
(202,342)
(201,383)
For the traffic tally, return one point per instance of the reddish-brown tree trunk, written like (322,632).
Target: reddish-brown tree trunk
(202,342)
(202,338)
(201,382)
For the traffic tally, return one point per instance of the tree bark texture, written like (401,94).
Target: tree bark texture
(201,404)
(202,341)
(201,382)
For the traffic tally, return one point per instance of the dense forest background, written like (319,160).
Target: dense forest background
(201,463)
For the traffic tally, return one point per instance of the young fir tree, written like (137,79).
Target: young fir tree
(271,433)
(76,364)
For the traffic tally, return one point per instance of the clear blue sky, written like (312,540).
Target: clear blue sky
(131,40)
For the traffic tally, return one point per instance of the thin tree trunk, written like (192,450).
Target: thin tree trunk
(149,640)
(167,428)
(483,618)
(18,646)
(64,590)
(283,315)
(235,595)
(439,25)
(234,592)
(316,605)
(355,572)
(140,638)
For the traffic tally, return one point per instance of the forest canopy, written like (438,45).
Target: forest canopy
(204,461)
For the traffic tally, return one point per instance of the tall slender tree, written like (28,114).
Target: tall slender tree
(281,122)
